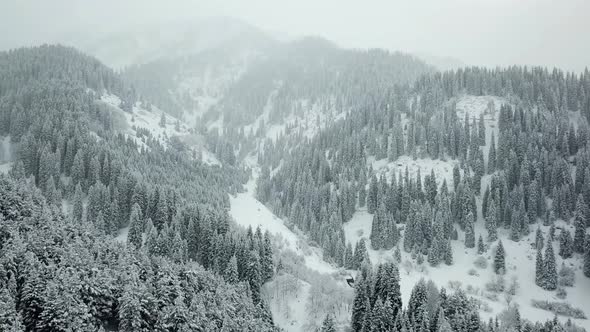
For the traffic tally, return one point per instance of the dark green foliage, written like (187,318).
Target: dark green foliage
(500,259)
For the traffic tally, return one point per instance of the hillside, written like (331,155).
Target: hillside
(90,161)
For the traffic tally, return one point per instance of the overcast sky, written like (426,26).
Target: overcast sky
(478,32)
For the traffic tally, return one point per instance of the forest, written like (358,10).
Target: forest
(520,168)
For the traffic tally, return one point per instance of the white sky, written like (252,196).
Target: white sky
(479,32)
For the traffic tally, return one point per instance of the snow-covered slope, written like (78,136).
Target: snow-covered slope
(151,121)
(520,258)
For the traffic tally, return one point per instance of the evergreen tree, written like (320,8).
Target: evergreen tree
(481,247)
(360,254)
(539,239)
(231,270)
(469,231)
(587,257)
(135,227)
(328,324)
(580,225)
(448,254)
(372,196)
(550,270)
(499,259)
(78,204)
(565,244)
(539,269)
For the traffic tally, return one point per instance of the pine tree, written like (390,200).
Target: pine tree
(448,255)
(499,259)
(78,205)
(565,244)
(539,239)
(135,227)
(266,261)
(348,257)
(481,247)
(550,270)
(372,196)
(469,232)
(231,270)
(360,254)
(587,257)
(580,225)
(539,269)
(492,222)
(328,324)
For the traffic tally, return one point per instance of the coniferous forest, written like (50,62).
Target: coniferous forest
(264,185)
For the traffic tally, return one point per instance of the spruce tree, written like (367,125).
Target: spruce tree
(469,231)
(231,270)
(580,225)
(539,269)
(539,239)
(550,270)
(328,324)
(448,254)
(565,244)
(78,205)
(134,236)
(587,257)
(481,248)
(373,195)
(500,259)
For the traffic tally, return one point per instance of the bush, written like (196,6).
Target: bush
(560,308)
(497,284)
(561,293)
(455,285)
(491,296)
(513,287)
(566,276)
(473,272)
(481,262)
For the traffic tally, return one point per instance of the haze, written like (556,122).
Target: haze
(476,32)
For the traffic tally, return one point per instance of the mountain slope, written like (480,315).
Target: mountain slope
(78,177)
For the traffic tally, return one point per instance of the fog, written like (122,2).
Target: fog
(477,32)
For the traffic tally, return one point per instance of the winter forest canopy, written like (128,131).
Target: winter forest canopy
(252,184)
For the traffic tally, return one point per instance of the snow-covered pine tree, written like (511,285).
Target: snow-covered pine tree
(481,247)
(580,225)
(373,195)
(539,239)
(500,259)
(469,231)
(492,222)
(565,244)
(539,269)
(587,257)
(134,236)
(328,325)
(550,270)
